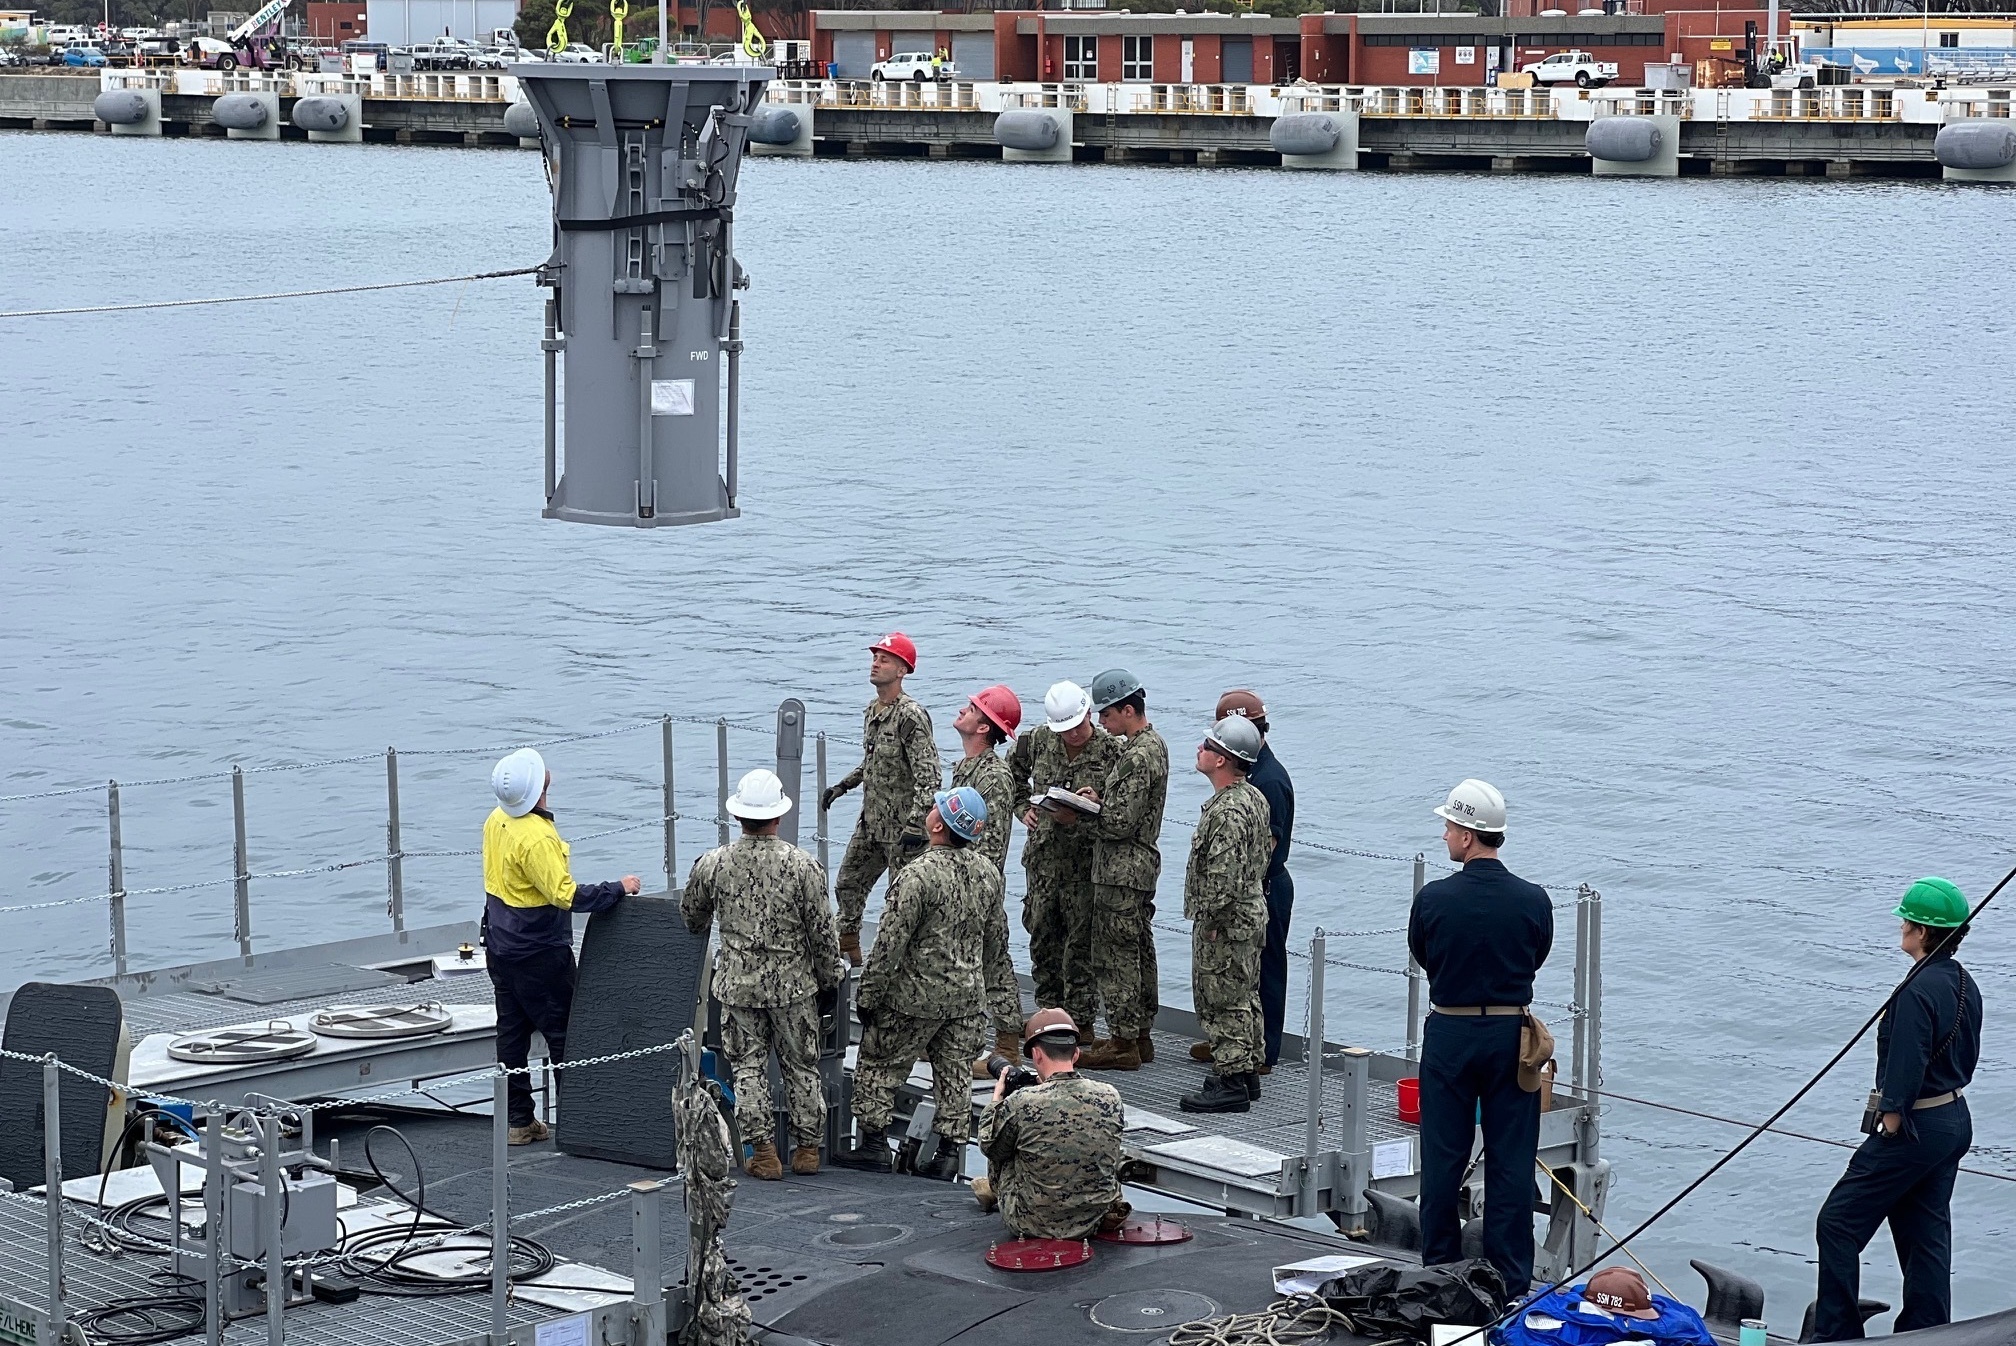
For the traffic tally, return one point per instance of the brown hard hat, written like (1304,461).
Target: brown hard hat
(1048,1023)
(1241,702)
(1622,1291)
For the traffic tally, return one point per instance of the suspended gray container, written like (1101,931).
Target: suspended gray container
(1980,149)
(643,315)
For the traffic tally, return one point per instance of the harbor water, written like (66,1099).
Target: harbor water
(1673,509)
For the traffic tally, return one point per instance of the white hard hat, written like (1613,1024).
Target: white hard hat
(759,795)
(1235,736)
(1065,706)
(1475,805)
(518,781)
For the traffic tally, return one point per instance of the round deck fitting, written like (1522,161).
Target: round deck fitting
(1039,1254)
(1147,1229)
(381,1021)
(1151,1310)
(276,1041)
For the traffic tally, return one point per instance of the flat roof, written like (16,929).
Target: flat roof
(1108,21)
(901,20)
(1432,25)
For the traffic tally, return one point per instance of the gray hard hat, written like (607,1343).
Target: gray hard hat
(1112,687)
(1236,737)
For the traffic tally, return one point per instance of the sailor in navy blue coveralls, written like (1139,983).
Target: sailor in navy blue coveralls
(1926,1048)
(1481,934)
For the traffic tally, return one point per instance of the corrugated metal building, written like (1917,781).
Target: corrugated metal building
(403,22)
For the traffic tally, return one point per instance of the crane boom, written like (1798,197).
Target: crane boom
(265,14)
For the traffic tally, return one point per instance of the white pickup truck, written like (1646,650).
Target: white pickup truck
(913,65)
(1577,66)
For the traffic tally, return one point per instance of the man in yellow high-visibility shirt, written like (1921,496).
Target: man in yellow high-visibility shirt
(528,925)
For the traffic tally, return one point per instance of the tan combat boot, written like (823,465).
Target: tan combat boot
(1145,1044)
(805,1159)
(1005,1044)
(763,1162)
(983,1192)
(1200,1051)
(531,1133)
(850,947)
(1112,1054)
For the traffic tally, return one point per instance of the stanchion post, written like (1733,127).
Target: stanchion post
(53,1326)
(1593,992)
(647,1268)
(666,779)
(241,868)
(213,1229)
(1578,1071)
(272,1227)
(117,877)
(395,855)
(1414,973)
(721,779)
(821,746)
(1312,1057)
(500,1208)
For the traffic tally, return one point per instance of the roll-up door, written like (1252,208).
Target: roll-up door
(973,53)
(903,43)
(1238,58)
(853,54)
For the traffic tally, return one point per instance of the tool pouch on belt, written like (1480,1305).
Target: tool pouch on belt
(1872,1113)
(1536,1048)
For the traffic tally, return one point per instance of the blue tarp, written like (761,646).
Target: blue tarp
(1877,62)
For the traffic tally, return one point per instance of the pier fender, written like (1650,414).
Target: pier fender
(320,112)
(1977,143)
(521,121)
(1030,129)
(1624,140)
(241,112)
(1305,133)
(120,107)
(775,124)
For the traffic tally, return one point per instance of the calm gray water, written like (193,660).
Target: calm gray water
(1676,509)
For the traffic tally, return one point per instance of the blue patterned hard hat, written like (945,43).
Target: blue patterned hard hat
(963,810)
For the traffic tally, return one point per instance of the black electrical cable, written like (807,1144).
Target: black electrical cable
(143,1320)
(1743,1144)
(392,1273)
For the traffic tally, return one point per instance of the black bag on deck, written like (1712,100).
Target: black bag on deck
(1386,1297)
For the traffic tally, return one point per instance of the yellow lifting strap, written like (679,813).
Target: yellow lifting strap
(753,41)
(556,36)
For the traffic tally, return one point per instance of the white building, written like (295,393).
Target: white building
(401,23)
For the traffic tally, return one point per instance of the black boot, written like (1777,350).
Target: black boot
(870,1152)
(1221,1093)
(1251,1079)
(948,1163)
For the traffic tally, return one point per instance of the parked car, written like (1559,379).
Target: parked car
(576,53)
(83,54)
(1578,67)
(10,58)
(913,65)
(443,54)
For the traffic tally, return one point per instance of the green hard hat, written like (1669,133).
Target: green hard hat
(1112,686)
(1935,902)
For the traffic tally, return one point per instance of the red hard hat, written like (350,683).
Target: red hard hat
(1000,705)
(901,646)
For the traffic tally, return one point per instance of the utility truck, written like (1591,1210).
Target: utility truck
(1571,67)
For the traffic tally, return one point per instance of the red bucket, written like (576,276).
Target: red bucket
(1410,1101)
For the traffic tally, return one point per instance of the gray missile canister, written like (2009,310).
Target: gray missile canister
(643,327)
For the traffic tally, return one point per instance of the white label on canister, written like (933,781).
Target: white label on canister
(671,397)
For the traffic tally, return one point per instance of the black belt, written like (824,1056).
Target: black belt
(1477,1010)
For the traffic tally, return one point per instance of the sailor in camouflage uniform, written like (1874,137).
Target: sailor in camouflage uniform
(899,764)
(1126,861)
(988,719)
(1053,1149)
(1224,898)
(778,961)
(920,993)
(1071,751)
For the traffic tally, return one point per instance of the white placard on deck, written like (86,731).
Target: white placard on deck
(1140,1119)
(569,1331)
(671,397)
(1393,1158)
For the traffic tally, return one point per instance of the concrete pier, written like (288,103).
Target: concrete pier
(1850,131)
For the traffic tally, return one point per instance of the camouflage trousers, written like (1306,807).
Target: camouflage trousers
(867,859)
(1004,994)
(1057,913)
(1225,985)
(1124,975)
(895,1042)
(748,1037)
